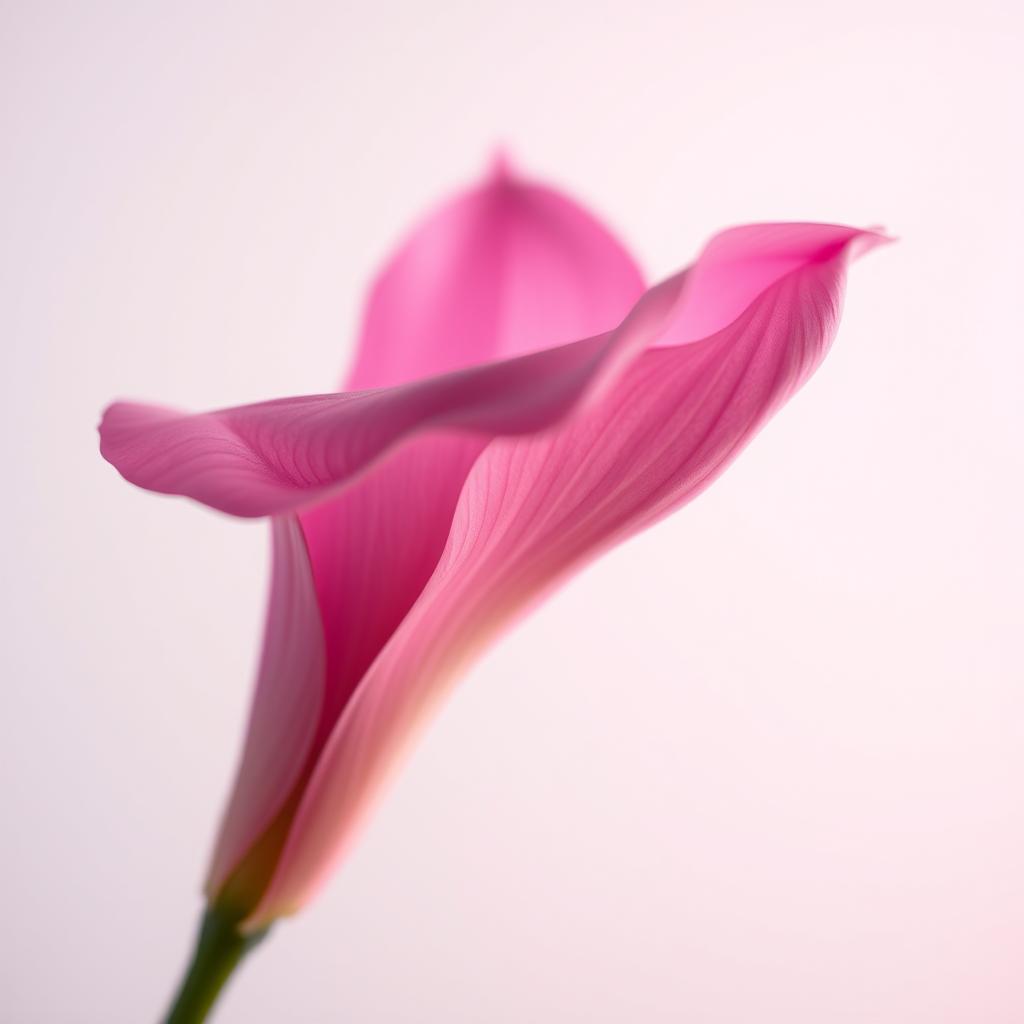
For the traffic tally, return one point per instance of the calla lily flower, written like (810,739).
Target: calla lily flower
(519,403)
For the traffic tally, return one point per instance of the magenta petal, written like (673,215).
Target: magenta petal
(277,456)
(286,704)
(567,450)
(374,546)
(535,508)
(503,269)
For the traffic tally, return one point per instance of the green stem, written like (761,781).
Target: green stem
(219,950)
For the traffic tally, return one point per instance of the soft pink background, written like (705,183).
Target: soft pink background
(764,763)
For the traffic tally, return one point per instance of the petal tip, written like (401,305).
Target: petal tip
(501,169)
(872,237)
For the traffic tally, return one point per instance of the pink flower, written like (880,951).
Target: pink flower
(519,404)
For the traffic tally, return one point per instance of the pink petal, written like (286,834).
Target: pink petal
(286,704)
(535,508)
(500,270)
(506,268)
(277,456)
(374,546)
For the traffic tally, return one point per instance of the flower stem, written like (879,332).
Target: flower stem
(219,950)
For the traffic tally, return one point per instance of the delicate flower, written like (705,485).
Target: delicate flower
(519,404)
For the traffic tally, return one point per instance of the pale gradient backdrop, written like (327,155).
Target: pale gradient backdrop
(763,765)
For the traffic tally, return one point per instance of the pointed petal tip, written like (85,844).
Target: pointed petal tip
(872,237)
(503,180)
(502,169)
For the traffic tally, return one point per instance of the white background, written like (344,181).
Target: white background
(762,765)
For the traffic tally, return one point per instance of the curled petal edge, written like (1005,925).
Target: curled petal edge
(279,456)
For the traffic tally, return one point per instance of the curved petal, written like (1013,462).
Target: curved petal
(286,703)
(506,268)
(503,269)
(535,508)
(500,270)
(274,457)
(374,546)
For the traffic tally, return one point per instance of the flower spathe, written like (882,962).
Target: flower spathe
(519,403)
